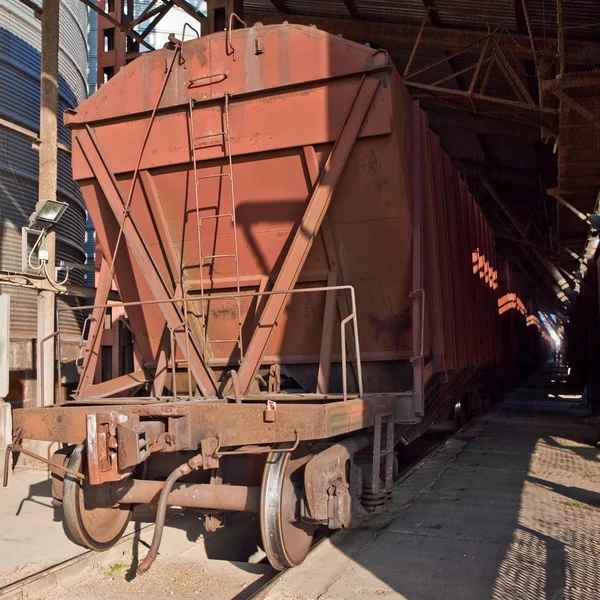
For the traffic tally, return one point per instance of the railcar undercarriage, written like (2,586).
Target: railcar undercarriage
(291,462)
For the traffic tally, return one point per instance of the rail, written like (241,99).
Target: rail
(186,299)
(55,337)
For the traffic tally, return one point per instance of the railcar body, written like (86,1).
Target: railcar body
(307,278)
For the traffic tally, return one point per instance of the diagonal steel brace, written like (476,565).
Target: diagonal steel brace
(201,372)
(307,229)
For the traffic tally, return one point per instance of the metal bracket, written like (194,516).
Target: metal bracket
(134,441)
(101,439)
(257,449)
(414,295)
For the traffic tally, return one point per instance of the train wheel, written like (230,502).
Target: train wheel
(286,538)
(94,527)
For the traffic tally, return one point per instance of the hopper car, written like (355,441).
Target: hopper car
(308,282)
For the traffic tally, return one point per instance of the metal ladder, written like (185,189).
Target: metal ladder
(203,258)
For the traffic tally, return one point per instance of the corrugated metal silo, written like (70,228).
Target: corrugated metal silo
(20,41)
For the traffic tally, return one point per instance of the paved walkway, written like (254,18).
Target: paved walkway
(31,532)
(510,510)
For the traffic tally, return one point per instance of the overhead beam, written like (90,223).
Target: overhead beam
(556,194)
(544,262)
(147,13)
(190,10)
(572,80)
(432,13)
(127,30)
(443,39)
(158,17)
(448,119)
(578,108)
(512,109)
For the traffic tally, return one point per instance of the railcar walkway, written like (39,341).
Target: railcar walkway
(508,510)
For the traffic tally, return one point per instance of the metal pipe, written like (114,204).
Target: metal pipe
(196,495)
(53,467)
(531,40)
(161,512)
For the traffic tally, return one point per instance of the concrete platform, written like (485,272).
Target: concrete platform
(31,532)
(508,510)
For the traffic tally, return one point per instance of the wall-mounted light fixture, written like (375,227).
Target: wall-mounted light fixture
(48,211)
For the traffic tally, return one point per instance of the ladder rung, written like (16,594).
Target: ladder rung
(209,135)
(213,176)
(216,217)
(218,256)
(222,341)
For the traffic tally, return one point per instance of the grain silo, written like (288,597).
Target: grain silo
(20,42)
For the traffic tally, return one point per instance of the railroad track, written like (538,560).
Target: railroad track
(107,571)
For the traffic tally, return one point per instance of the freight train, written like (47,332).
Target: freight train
(308,281)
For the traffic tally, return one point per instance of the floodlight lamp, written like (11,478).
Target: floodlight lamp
(48,211)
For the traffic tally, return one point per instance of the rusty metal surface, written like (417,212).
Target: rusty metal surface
(308,142)
(309,225)
(260,248)
(235,424)
(326,469)
(195,495)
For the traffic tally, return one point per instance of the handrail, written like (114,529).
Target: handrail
(228,44)
(186,25)
(40,345)
(235,296)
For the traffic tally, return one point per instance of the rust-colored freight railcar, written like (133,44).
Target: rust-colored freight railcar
(308,282)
